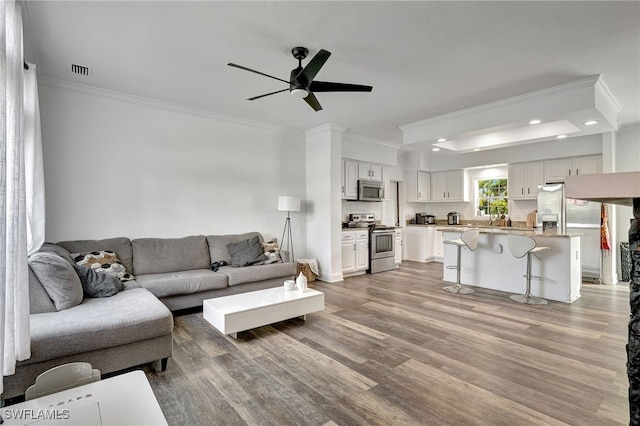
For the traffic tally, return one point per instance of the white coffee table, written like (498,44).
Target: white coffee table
(244,311)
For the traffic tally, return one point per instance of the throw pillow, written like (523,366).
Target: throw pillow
(58,278)
(246,252)
(105,261)
(272,251)
(98,285)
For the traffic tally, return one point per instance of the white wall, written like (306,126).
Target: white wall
(627,160)
(369,150)
(116,165)
(324,149)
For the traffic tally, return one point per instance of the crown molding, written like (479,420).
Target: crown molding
(369,139)
(328,127)
(582,83)
(150,102)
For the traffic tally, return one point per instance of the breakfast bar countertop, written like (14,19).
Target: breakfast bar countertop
(530,232)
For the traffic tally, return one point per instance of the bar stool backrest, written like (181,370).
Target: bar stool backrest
(520,245)
(61,378)
(470,238)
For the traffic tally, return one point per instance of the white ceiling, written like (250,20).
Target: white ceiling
(423,59)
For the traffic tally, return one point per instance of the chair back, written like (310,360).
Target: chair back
(61,378)
(520,245)
(470,238)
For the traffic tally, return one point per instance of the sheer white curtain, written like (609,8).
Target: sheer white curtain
(14,287)
(34,168)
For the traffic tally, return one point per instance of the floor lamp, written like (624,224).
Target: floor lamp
(288,204)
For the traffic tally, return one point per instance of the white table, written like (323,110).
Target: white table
(126,399)
(244,311)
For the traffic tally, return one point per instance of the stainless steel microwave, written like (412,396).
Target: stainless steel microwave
(370,190)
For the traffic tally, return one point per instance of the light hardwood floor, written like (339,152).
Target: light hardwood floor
(395,349)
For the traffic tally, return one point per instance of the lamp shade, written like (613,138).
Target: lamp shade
(288,204)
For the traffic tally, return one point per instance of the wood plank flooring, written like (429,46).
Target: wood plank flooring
(395,349)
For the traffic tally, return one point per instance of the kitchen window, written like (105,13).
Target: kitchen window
(491,197)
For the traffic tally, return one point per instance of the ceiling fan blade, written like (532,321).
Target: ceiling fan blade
(266,94)
(313,102)
(257,72)
(327,86)
(309,72)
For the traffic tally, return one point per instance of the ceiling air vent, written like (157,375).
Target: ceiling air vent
(80,70)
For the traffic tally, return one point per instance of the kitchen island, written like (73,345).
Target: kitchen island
(493,266)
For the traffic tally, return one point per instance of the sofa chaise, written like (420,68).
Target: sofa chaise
(134,326)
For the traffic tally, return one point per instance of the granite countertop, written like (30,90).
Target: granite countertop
(530,232)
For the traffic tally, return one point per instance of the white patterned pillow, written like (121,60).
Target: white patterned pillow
(272,251)
(105,261)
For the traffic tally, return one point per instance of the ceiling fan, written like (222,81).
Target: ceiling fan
(301,81)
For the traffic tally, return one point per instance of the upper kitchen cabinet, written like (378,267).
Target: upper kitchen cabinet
(349,180)
(418,186)
(555,170)
(368,171)
(449,186)
(353,171)
(524,179)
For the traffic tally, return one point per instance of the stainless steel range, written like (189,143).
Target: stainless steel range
(381,249)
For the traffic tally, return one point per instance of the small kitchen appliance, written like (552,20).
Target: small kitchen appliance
(425,219)
(453,218)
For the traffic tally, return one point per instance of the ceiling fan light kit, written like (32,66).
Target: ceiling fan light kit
(301,80)
(299,93)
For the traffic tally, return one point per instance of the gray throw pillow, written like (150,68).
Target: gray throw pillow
(58,278)
(96,284)
(246,252)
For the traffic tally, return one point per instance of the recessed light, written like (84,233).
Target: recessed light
(442,140)
(536,121)
(590,123)
(435,149)
(561,137)
(476,149)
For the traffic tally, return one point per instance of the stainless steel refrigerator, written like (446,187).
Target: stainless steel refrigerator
(556,213)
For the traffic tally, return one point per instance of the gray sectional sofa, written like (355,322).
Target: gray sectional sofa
(135,325)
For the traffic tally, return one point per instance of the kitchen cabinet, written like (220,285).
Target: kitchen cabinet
(418,186)
(587,165)
(355,251)
(362,250)
(348,251)
(556,169)
(349,180)
(369,171)
(398,246)
(524,179)
(449,186)
(423,243)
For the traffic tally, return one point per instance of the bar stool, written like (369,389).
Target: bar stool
(521,246)
(468,239)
